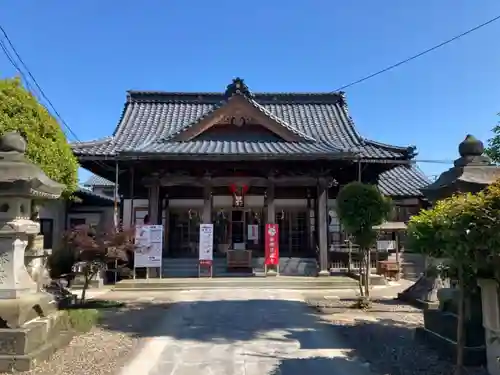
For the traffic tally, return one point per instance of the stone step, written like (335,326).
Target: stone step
(188,267)
(252,282)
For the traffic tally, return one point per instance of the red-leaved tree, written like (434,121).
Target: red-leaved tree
(93,250)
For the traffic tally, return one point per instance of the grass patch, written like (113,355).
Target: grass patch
(97,304)
(82,320)
(362,303)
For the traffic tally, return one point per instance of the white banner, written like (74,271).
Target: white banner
(149,246)
(253,233)
(206,242)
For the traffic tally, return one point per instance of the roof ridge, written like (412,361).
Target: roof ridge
(410,150)
(92,142)
(132,93)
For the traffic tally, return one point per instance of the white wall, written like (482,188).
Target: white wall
(102,217)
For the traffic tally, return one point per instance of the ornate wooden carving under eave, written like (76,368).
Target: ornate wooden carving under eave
(236,120)
(238,107)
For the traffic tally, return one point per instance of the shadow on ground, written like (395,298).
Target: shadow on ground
(273,327)
(223,320)
(390,348)
(316,366)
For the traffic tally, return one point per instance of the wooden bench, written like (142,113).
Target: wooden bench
(239,259)
(388,269)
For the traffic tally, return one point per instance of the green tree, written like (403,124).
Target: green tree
(493,149)
(361,207)
(47,146)
(464,230)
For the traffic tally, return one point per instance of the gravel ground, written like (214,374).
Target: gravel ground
(383,336)
(106,348)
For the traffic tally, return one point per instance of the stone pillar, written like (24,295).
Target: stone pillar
(153,203)
(322,229)
(207,203)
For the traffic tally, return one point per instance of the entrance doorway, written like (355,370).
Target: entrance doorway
(293,233)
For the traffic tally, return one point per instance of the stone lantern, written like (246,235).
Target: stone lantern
(472,172)
(23,307)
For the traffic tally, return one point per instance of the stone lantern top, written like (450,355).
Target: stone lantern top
(472,172)
(471,152)
(20,177)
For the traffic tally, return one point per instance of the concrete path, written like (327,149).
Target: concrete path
(242,332)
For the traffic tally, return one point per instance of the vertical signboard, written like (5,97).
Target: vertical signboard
(272,245)
(206,243)
(148,246)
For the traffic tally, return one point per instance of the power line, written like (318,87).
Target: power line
(36,83)
(49,102)
(419,54)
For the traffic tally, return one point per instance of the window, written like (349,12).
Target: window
(76,221)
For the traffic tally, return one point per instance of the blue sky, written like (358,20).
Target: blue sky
(86,54)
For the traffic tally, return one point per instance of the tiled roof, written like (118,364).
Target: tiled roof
(95,180)
(249,148)
(102,199)
(321,120)
(401,181)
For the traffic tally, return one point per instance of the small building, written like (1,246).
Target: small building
(239,159)
(89,208)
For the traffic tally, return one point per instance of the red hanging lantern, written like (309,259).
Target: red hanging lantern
(238,192)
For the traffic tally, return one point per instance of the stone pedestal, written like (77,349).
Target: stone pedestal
(440,328)
(424,293)
(491,323)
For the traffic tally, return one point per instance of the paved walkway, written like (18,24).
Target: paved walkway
(242,332)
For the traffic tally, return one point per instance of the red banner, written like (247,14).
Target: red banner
(272,245)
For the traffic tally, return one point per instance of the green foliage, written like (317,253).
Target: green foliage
(493,149)
(361,207)
(82,320)
(464,229)
(47,144)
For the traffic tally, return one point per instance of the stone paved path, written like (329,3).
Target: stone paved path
(238,332)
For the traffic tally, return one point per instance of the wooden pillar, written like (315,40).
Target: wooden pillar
(322,227)
(398,261)
(132,196)
(310,224)
(154,204)
(271,209)
(166,227)
(207,203)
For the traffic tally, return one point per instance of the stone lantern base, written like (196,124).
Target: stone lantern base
(22,348)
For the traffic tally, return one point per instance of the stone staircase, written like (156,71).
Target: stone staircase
(188,267)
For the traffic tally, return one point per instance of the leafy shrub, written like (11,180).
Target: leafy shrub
(47,146)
